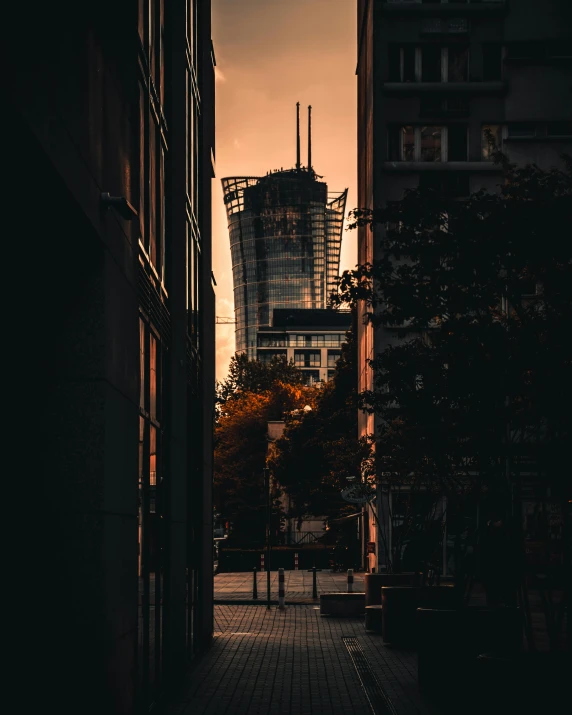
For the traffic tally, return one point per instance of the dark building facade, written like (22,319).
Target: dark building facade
(285,233)
(433,77)
(111,160)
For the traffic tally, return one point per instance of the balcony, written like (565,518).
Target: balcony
(472,8)
(445,26)
(474,88)
(444,108)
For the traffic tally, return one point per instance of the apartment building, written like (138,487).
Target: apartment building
(433,78)
(311,339)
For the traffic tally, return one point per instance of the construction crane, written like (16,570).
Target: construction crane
(225,321)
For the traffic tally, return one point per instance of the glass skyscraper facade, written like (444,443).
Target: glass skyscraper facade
(285,238)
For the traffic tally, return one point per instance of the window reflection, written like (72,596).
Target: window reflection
(408,143)
(430,143)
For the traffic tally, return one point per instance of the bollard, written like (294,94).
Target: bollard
(314,585)
(254,584)
(262,562)
(350,580)
(295,562)
(281,589)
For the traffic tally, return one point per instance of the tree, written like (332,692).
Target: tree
(246,375)
(480,291)
(320,448)
(254,394)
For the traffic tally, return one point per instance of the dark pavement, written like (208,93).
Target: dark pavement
(267,661)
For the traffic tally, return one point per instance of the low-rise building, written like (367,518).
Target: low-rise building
(311,339)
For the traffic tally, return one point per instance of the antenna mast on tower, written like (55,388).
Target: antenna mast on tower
(297,135)
(309,136)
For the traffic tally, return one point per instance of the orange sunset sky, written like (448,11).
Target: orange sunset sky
(271,54)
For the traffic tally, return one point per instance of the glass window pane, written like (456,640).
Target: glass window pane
(142,384)
(153,377)
(430,143)
(458,64)
(457,142)
(408,54)
(408,143)
(492,62)
(394,63)
(431,63)
(491,143)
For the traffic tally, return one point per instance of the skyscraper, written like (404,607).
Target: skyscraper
(285,237)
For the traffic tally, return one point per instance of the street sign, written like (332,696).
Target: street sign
(358,494)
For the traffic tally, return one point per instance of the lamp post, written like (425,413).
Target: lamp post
(268,517)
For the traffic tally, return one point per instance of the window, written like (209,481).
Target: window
(407,144)
(266,356)
(430,143)
(492,62)
(394,63)
(457,142)
(311,377)
(490,144)
(431,64)
(559,129)
(333,358)
(458,64)
(272,341)
(142,368)
(521,130)
(393,143)
(153,377)
(407,63)
(402,63)
(307,359)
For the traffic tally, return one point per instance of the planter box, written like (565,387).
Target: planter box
(522,682)
(399,604)
(373,619)
(449,642)
(342,605)
(375,581)
(441,597)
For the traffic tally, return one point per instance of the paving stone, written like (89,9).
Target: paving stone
(292,662)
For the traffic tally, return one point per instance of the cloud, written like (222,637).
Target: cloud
(237,144)
(219,75)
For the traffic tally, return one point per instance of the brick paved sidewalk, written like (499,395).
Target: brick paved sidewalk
(229,587)
(293,662)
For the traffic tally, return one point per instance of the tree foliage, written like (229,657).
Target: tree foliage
(255,394)
(480,291)
(246,375)
(320,448)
